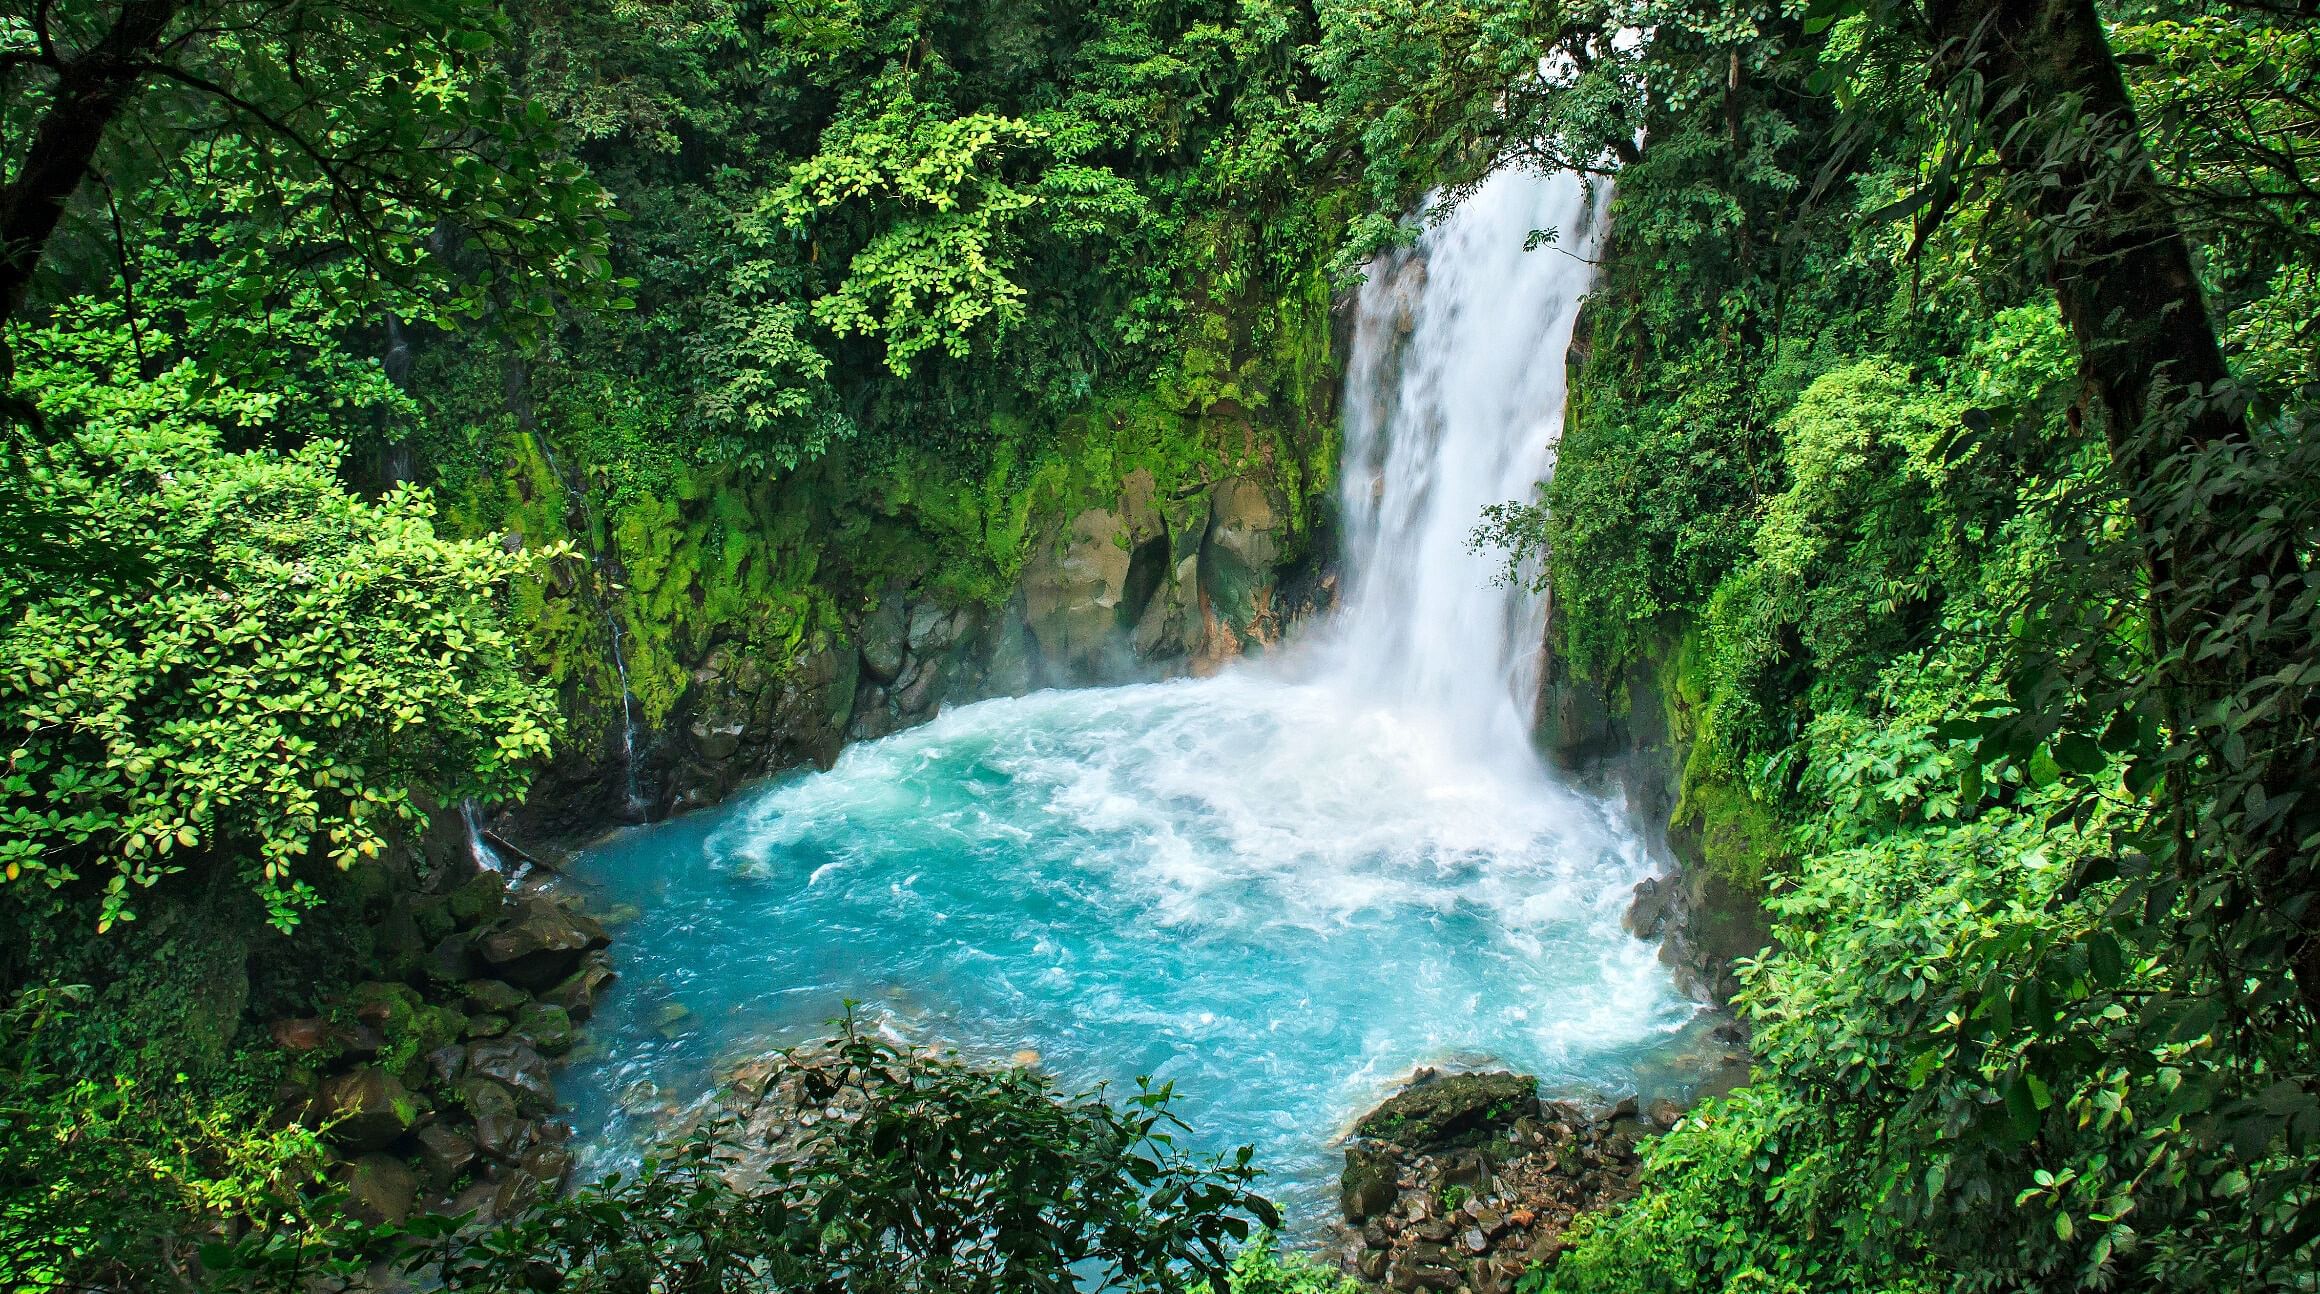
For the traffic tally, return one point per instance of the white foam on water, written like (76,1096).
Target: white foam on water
(1281,887)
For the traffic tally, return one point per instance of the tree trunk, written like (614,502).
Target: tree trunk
(91,89)
(2122,273)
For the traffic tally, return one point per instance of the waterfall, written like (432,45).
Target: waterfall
(1280,887)
(1453,401)
(485,857)
(634,800)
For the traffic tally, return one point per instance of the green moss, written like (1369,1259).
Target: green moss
(1740,838)
(688,556)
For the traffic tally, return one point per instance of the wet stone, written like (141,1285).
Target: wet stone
(369,1107)
(492,997)
(444,1153)
(516,1065)
(380,1189)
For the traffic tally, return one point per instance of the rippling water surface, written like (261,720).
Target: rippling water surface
(1279,888)
(1261,890)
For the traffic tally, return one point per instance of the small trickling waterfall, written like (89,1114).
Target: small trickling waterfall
(633,803)
(480,850)
(1453,402)
(1278,888)
(633,798)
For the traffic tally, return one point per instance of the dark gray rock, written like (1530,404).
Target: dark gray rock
(482,1096)
(448,1063)
(1647,913)
(547,1162)
(478,901)
(1449,1109)
(475,1204)
(380,1188)
(517,1066)
(368,1108)
(577,992)
(452,959)
(885,635)
(539,943)
(503,1136)
(444,1153)
(546,1026)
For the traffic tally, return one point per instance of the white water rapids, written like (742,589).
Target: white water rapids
(1280,887)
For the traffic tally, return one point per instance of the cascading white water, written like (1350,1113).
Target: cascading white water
(1454,400)
(1278,888)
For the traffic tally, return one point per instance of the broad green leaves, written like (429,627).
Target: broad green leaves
(939,1176)
(287,669)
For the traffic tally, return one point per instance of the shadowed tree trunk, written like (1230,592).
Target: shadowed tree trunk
(2056,108)
(89,92)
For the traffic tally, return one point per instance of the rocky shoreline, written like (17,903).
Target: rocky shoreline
(1464,1182)
(433,1085)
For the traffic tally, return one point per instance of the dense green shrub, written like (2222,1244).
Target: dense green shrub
(284,669)
(2032,1020)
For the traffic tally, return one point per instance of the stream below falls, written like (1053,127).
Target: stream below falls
(1280,888)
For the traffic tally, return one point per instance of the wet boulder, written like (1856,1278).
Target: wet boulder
(478,900)
(577,992)
(1647,913)
(1450,1108)
(452,959)
(491,997)
(368,1108)
(444,1153)
(380,1188)
(474,1204)
(539,943)
(546,1027)
(515,1065)
(503,1136)
(885,638)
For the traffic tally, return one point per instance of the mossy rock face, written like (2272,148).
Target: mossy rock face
(478,901)
(493,997)
(548,1027)
(1368,1187)
(1452,1108)
(380,1189)
(368,1108)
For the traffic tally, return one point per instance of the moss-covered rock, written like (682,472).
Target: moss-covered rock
(366,1108)
(1446,1109)
(546,1027)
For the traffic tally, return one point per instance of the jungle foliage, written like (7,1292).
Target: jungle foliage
(942,1176)
(1974,549)
(328,324)
(1939,436)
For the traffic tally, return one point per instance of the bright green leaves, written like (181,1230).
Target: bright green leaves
(289,669)
(941,1177)
(906,154)
(931,283)
(946,208)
